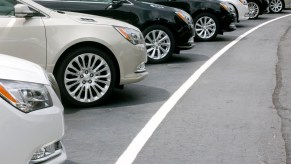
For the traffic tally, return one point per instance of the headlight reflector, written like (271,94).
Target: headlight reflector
(243,2)
(224,6)
(184,16)
(133,36)
(25,96)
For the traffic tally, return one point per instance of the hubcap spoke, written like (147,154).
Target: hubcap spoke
(253,9)
(87,77)
(155,40)
(205,27)
(276,5)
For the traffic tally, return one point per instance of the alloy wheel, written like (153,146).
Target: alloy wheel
(158,44)
(276,6)
(253,10)
(205,27)
(87,77)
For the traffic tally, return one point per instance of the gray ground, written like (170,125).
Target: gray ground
(237,112)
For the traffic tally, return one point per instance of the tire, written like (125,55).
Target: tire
(86,77)
(162,47)
(276,6)
(206,27)
(254,9)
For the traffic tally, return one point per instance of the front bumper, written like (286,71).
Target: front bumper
(133,71)
(58,154)
(228,21)
(23,134)
(186,38)
(265,5)
(243,13)
(189,45)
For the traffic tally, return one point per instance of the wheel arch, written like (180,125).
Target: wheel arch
(92,44)
(162,23)
(236,11)
(209,11)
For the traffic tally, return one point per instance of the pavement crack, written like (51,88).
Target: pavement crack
(283,112)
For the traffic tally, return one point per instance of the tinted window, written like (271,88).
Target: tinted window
(103,1)
(7,7)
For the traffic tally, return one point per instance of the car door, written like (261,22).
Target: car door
(22,37)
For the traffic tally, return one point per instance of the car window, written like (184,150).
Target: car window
(7,7)
(101,1)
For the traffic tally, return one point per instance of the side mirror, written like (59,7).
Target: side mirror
(115,4)
(22,11)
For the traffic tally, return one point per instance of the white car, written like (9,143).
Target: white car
(31,114)
(241,8)
(277,6)
(89,55)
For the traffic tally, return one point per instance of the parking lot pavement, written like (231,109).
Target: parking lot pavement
(228,115)
(281,95)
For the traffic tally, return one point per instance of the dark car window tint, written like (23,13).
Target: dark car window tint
(102,1)
(7,7)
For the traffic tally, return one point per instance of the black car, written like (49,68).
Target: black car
(211,17)
(166,30)
(257,7)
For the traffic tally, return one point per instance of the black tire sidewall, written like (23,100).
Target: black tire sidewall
(197,38)
(172,39)
(66,98)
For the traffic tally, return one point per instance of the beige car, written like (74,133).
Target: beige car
(89,55)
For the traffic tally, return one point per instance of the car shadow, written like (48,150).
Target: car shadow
(70,162)
(133,94)
(183,57)
(242,25)
(224,38)
(261,17)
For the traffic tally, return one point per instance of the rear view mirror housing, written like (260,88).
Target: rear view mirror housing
(115,4)
(22,11)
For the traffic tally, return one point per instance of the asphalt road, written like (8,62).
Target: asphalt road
(238,111)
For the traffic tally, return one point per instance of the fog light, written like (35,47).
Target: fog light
(46,153)
(140,68)
(38,154)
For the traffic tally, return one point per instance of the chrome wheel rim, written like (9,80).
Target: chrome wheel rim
(205,27)
(158,44)
(87,77)
(253,10)
(276,5)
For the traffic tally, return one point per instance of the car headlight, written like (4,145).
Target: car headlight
(25,96)
(133,36)
(224,6)
(184,16)
(243,2)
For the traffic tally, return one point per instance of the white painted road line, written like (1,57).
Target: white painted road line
(143,136)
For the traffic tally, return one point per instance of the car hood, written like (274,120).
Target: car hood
(80,18)
(98,20)
(21,70)
(153,6)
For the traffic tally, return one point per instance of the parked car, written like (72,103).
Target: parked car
(166,29)
(88,55)
(210,17)
(241,8)
(31,114)
(257,7)
(276,6)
